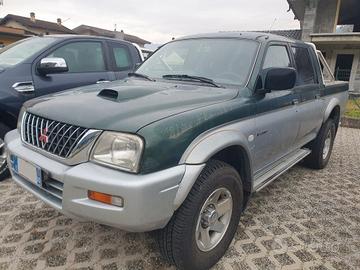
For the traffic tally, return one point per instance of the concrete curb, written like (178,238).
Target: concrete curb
(350,122)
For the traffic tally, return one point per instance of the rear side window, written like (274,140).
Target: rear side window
(121,56)
(82,56)
(304,66)
(277,57)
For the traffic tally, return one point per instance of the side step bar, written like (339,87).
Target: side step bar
(280,167)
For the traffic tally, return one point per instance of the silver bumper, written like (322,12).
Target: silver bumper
(149,200)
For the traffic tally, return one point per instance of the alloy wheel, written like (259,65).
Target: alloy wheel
(327,145)
(214,219)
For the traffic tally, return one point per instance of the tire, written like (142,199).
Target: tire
(4,171)
(319,157)
(177,241)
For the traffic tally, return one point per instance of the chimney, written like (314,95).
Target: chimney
(58,21)
(119,35)
(32,16)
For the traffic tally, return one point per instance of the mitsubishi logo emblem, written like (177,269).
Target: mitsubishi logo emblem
(44,139)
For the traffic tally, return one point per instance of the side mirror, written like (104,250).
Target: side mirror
(50,65)
(277,79)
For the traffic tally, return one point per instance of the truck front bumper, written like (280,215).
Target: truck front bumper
(148,199)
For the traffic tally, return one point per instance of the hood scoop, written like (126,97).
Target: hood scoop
(109,94)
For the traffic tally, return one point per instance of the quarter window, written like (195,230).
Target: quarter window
(122,57)
(82,56)
(277,57)
(304,66)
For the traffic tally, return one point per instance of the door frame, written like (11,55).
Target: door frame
(355,63)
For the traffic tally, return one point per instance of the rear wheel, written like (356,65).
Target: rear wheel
(322,146)
(202,229)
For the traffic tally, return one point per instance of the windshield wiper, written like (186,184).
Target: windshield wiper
(139,75)
(191,78)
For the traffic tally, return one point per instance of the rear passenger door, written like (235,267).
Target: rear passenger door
(87,63)
(121,59)
(308,87)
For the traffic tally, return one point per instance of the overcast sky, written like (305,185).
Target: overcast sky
(159,21)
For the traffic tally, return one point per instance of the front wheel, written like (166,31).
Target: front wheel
(202,229)
(322,146)
(4,171)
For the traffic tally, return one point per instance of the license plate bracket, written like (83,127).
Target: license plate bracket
(29,171)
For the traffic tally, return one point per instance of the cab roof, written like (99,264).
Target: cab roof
(70,36)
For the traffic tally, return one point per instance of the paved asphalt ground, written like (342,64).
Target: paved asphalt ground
(304,220)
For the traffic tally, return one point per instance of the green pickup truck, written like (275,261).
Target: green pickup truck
(180,146)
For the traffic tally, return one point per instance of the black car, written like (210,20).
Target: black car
(38,66)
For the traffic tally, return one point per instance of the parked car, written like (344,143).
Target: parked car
(207,121)
(38,66)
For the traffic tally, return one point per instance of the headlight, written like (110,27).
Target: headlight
(118,150)
(20,118)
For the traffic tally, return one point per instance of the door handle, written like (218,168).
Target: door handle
(295,101)
(102,81)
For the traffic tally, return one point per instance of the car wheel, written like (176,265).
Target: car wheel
(203,227)
(4,171)
(322,146)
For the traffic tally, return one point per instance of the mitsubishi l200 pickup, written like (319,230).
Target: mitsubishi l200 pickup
(180,147)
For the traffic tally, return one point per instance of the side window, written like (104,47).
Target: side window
(82,56)
(304,66)
(121,56)
(277,56)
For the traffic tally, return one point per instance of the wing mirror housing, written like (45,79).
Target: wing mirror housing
(51,65)
(276,79)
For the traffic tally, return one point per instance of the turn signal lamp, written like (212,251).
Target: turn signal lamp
(106,198)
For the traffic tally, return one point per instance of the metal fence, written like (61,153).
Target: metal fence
(342,74)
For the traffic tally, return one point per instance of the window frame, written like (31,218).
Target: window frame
(57,46)
(113,44)
(271,44)
(316,76)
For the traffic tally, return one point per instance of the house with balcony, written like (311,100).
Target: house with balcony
(10,35)
(334,27)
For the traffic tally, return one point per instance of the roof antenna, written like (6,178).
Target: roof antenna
(115,26)
(272,25)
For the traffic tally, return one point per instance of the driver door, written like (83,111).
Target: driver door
(87,64)
(277,122)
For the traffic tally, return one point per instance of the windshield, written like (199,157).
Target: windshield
(225,61)
(23,49)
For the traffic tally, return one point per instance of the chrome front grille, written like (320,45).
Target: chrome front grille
(51,136)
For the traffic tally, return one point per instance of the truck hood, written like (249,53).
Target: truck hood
(126,105)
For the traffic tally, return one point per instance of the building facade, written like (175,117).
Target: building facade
(10,35)
(334,26)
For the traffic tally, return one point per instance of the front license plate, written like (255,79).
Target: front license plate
(27,170)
